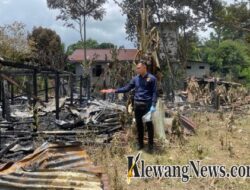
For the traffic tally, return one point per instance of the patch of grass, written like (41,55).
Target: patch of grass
(213,144)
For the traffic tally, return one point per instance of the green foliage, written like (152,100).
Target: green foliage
(89,44)
(230,57)
(46,47)
(74,13)
(105,45)
(188,14)
(232,21)
(189,47)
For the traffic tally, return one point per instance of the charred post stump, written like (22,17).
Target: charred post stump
(12,94)
(88,86)
(35,119)
(104,87)
(1,91)
(34,86)
(46,89)
(35,112)
(216,96)
(217,101)
(5,101)
(57,86)
(81,80)
(71,89)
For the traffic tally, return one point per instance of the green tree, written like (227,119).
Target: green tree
(46,47)
(90,43)
(232,21)
(75,12)
(190,47)
(230,57)
(106,45)
(188,14)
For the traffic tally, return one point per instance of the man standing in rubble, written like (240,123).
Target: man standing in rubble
(145,85)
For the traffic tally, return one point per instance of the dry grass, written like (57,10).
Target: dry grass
(215,143)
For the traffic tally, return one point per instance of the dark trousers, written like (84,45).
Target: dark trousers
(141,108)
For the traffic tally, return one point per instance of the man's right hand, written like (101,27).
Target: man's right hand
(108,91)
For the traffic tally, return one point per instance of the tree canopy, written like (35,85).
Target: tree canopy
(46,47)
(90,43)
(188,14)
(74,12)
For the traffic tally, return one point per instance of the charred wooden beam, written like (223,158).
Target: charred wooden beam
(17,73)
(22,65)
(39,91)
(17,133)
(6,149)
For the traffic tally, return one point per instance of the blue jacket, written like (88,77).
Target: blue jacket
(145,88)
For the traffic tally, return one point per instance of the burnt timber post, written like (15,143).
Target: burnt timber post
(12,94)
(57,85)
(88,86)
(71,89)
(46,88)
(5,102)
(104,86)
(34,86)
(80,100)
(1,84)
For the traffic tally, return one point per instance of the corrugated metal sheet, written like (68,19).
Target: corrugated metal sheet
(54,166)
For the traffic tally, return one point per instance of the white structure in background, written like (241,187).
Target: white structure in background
(197,69)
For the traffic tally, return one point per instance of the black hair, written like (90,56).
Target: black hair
(143,62)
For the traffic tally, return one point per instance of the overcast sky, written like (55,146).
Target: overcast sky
(35,13)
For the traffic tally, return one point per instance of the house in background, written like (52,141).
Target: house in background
(169,33)
(197,69)
(100,61)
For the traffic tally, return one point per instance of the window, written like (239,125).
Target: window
(201,67)
(189,67)
(97,70)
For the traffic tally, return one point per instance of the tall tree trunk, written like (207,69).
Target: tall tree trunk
(85,59)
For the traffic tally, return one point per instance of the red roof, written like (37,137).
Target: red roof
(102,55)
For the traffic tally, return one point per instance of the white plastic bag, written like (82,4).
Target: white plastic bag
(147,117)
(158,120)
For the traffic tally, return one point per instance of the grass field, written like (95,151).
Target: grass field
(217,141)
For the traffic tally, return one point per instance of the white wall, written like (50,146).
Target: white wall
(197,69)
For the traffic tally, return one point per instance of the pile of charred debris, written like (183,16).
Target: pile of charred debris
(42,131)
(96,122)
(213,93)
